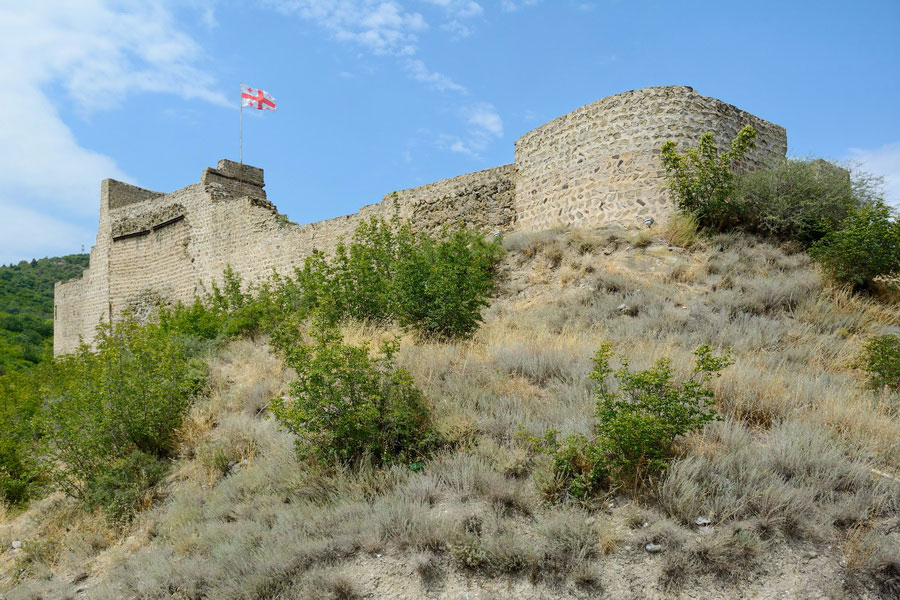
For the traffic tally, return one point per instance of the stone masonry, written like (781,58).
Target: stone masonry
(598,164)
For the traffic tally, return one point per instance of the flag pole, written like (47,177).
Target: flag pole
(242,141)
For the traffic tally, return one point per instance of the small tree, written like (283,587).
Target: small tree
(881,360)
(799,200)
(442,283)
(636,425)
(114,408)
(702,179)
(345,405)
(639,423)
(865,247)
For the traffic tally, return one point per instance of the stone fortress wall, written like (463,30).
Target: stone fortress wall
(598,164)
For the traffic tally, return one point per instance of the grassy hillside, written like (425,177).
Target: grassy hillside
(26,306)
(795,487)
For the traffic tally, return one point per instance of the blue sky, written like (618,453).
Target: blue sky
(378,95)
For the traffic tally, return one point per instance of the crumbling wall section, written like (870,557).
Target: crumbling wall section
(484,200)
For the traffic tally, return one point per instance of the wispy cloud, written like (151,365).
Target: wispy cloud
(381,27)
(434,80)
(483,126)
(514,5)
(459,9)
(483,117)
(387,27)
(885,162)
(98,52)
(457,30)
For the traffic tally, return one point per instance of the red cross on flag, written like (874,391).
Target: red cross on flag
(255,98)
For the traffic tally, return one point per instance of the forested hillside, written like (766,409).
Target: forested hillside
(26,306)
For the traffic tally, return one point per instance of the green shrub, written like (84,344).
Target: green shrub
(703,180)
(362,273)
(196,320)
(19,403)
(880,359)
(436,285)
(347,406)
(636,425)
(578,465)
(441,284)
(799,200)
(104,406)
(639,423)
(119,487)
(866,246)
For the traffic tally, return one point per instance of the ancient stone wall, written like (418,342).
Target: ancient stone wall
(599,163)
(483,200)
(155,247)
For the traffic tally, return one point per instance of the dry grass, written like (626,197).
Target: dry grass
(792,461)
(681,230)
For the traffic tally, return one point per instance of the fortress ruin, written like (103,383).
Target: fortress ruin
(597,164)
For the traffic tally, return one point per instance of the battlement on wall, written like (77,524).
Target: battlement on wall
(116,194)
(597,164)
(228,172)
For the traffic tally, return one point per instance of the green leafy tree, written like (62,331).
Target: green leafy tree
(880,359)
(800,200)
(443,283)
(26,308)
(865,247)
(115,407)
(20,401)
(702,179)
(639,423)
(346,406)
(636,425)
(436,285)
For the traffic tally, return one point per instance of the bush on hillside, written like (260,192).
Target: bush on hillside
(880,359)
(799,200)
(19,403)
(442,283)
(866,246)
(636,427)
(346,406)
(640,421)
(111,409)
(433,284)
(703,179)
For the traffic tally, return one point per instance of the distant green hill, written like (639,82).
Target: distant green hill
(26,307)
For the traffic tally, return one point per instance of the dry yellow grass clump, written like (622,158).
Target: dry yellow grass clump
(799,477)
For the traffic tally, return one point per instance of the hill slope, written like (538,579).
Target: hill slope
(26,306)
(798,481)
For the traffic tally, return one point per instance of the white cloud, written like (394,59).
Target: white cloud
(453,143)
(514,5)
(484,126)
(885,162)
(380,26)
(434,80)
(28,234)
(386,27)
(457,30)
(97,52)
(482,117)
(460,9)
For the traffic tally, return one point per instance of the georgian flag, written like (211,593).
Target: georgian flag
(255,98)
